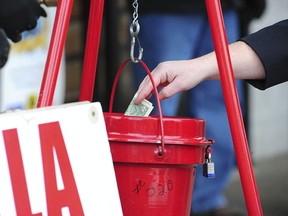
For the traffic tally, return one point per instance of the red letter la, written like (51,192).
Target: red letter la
(17,174)
(51,138)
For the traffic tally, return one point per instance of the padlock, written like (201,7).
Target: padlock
(208,166)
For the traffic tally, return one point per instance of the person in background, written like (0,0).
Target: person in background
(16,16)
(174,30)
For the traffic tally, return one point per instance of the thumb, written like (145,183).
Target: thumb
(16,37)
(170,90)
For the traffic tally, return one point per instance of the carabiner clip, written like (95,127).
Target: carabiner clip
(134,36)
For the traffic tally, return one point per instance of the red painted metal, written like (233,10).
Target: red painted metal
(161,150)
(233,108)
(154,179)
(184,134)
(91,51)
(59,33)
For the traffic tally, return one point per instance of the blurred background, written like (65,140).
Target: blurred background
(268,118)
(266,122)
(267,128)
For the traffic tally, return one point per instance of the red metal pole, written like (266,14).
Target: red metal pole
(233,108)
(55,52)
(91,50)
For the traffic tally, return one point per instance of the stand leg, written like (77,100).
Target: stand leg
(55,52)
(91,51)
(233,108)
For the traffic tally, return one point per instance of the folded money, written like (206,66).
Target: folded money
(142,109)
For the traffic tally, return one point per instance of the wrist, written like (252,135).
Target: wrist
(210,66)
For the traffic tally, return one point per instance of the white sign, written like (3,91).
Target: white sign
(57,161)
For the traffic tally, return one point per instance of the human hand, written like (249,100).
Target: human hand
(4,48)
(173,77)
(17,16)
(182,75)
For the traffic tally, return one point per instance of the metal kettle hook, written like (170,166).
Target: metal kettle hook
(134,35)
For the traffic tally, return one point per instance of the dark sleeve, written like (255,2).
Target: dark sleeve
(271,45)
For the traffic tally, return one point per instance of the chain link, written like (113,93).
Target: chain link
(134,31)
(135,13)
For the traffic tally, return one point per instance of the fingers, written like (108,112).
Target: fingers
(15,37)
(145,90)
(169,90)
(31,25)
(174,77)
(42,12)
(160,76)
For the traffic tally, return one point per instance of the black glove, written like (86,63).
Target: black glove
(4,48)
(17,16)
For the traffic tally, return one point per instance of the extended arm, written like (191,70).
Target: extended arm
(261,58)
(177,76)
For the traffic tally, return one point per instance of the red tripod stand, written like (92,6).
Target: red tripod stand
(89,73)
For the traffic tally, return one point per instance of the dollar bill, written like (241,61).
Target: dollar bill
(142,109)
